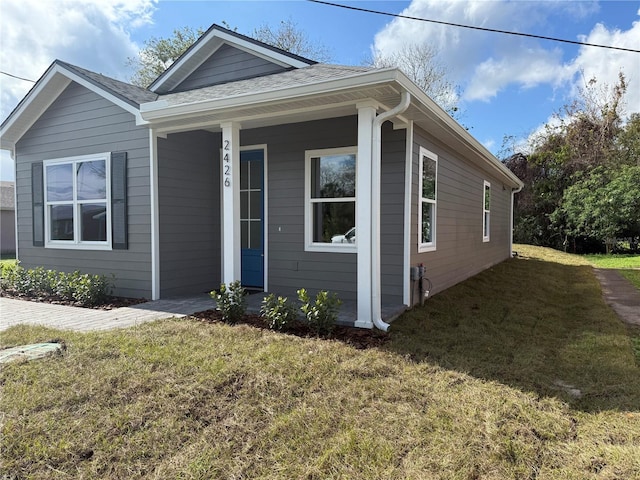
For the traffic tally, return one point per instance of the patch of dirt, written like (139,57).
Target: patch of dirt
(110,304)
(356,337)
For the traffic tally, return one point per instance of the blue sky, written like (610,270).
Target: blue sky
(508,85)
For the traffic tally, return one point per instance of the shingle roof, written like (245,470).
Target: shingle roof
(131,94)
(291,78)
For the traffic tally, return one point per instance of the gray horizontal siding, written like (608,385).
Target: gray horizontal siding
(290,267)
(228,64)
(392,213)
(189,212)
(80,122)
(460,251)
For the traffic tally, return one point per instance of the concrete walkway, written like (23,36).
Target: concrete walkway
(620,294)
(14,312)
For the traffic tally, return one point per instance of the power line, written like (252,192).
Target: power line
(529,35)
(19,78)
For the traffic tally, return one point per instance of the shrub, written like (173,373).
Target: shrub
(321,315)
(280,314)
(230,301)
(84,289)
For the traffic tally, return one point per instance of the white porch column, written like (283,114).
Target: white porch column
(366,115)
(230,184)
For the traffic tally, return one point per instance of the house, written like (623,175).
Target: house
(245,162)
(7,219)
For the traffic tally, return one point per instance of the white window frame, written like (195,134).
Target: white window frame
(428,246)
(310,245)
(486,213)
(76,243)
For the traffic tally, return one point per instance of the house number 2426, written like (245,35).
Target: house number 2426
(226,166)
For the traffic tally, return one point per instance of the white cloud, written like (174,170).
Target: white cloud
(93,34)
(484,63)
(604,64)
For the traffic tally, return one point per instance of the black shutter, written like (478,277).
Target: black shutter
(119,223)
(37,202)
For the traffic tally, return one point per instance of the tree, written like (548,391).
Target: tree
(603,204)
(290,38)
(420,63)
(159,53)
(588,137)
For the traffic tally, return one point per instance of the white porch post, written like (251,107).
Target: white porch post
(230,184)
(366,115)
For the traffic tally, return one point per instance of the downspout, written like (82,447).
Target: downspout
(513,192)
(376,156)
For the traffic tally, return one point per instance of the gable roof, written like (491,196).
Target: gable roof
(51,84)
(212,40)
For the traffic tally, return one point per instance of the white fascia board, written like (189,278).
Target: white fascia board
(13,129)
(262,52)
(457,129)
(160,110)
(46,95)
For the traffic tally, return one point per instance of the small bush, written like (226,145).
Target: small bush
(280,314)
(321,315)
(230,301)
(81,288)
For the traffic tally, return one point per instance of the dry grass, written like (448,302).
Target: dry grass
(477,384)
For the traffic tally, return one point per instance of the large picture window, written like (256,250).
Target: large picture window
(486,212)
(428,199)
(331,199)
(77,202)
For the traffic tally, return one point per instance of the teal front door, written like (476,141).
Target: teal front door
(252,218)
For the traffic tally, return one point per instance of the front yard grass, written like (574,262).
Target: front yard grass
(521,372)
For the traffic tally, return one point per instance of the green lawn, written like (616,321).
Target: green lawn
(614,261)
(519,373)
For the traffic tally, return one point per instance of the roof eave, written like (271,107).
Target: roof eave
(48,87)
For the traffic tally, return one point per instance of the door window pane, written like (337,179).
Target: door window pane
(255,234)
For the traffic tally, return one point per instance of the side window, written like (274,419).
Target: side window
(427,200)
(77,197)
(486,212)
(330,192)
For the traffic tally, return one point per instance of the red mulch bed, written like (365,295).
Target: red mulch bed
(356,337)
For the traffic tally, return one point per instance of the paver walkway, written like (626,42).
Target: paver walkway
(620,294)
(14,312)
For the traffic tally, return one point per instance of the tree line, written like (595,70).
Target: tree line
(582,176)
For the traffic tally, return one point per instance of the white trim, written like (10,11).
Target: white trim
(430,246)
(309,244)
(408,172)
(230,170)
(155,212)
(40,92)
(366,115)
(265,207)
(486,228)
(77,243)
(213,40)
(161,110)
